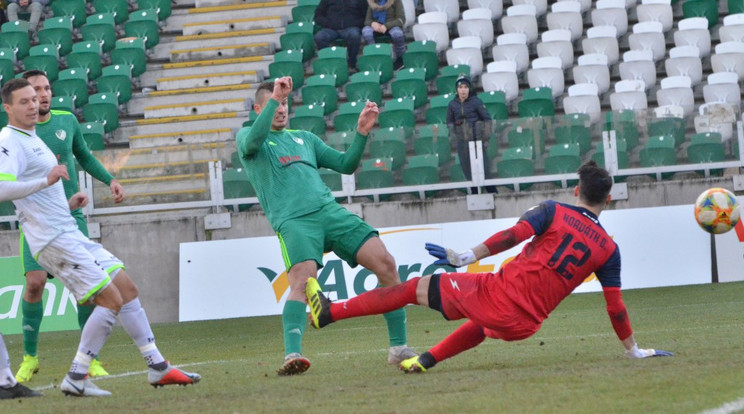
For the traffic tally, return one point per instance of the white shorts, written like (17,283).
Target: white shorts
(83,266)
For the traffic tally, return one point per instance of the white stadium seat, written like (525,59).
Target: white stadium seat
(501,76)
(677,90)
(583,99)
(593,68)
(450,7)
(566,15)
(648,36)
(629,95)
(611,13)
(602,39)
(496,6)
(685,61)
(693,31)
(557,43)
(656,11)
(512,46)
(638,64)
(521,19)
(547,72)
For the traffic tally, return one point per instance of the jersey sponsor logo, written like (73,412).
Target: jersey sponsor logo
(272,143)
(453,282)
(61,134)
(5,151)
(298,140)
(289,158)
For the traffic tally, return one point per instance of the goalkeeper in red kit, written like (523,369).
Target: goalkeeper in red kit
(569,244)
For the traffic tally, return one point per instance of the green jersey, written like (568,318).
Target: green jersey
(283,166)
(63,135)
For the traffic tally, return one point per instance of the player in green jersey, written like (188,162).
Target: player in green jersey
(282,165)
(61,132)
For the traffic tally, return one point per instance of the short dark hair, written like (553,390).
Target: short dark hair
(265,89)
(34,72)
(595,183)
(12,86)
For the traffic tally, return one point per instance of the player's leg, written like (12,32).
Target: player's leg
(32,309)
(467,336)
(294,318)
(9,387)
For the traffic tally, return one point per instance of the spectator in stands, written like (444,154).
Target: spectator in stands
(468,118)
(34,7)
(386,17)
(341,19)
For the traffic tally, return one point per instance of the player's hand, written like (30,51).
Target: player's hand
(367,118)
(449,256)
(282,88)
(59,171)
(117,191)
(78,200)
(636,352)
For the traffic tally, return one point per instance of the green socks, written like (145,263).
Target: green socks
(396,324)
(84,312)
(294,320)
(32,315)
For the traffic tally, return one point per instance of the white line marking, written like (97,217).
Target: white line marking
(728,408)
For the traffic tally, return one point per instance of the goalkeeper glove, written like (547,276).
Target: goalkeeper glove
(636,352)
(449,257)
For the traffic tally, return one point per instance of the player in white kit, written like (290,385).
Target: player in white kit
(30,176)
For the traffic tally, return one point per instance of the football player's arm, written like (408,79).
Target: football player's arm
(12,189)
(347,162)
(250,139)
(87,161)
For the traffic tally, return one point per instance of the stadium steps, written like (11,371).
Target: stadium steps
(222,26)
(160,189)
(136,106)
(215,52)
(232,11)
(196,108)
(178,48)
(202,136)
(155,72)
(209,79)
(178,124)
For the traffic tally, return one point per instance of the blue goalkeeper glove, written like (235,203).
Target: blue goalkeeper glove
(636,352)
(449,257)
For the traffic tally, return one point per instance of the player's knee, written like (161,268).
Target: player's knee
(388,271)
(35,282)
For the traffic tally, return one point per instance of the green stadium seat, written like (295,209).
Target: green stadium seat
(398,113)
(659,151)
(437,112)
(348,116)
(527,136)
(3,117)
(447,77)
(422,170)
(574,134)
(103,108)
(163,7)
(377,58)
(235,184)
(495,103)
(625,127)
(363,87)
(668,126)
(706,147)
(735,6)
(100,28)
(63,102)
(74,9)
(309,118)
(7,65)
(563,159)
(375,173)
(93,133)
(299,36)
(701,8)
(623,161)
(288,63)
(340,140)
(86,55)
(74,83)
(118,8)
(304,11)
(536,102)
(116,80)
(14,35)
(331,178)
(389,143)
(516,162)
(332,61)
(320,90)
(130,52)
(434,139)
(422,54)
(235,159)
(57,31)
(410,83)
(43,57)
(143,23)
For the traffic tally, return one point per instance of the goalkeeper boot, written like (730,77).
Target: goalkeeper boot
(294,364)
(171,376)
(28,368)
(81,388)
(398,354)
(411,365)
(96,369)
(320,305)
(17,391)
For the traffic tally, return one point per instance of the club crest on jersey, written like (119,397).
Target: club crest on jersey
(61,134)
(298,140)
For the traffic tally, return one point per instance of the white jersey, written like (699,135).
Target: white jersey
(45,213)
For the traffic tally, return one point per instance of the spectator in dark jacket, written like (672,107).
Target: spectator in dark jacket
(341,19)
(386,17)
(35,7)
(468,118)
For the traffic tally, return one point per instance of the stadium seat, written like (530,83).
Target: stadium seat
(574,133)
(304,11)
(377,58)
(364,86)
(422,54)
(235,159)
(659,151)
(332,61)
(735,6)
(448,76)
(521,18)
(449,7)
(701,8)
(529,132)
(299,36)
(732,29)
(547,73)
(495,103)
(624,123)
(466,51)
(93,133)
(74,9)
(437,111)
(706,147)
(102,108)
(557,43)
(566,15)
(656,11)
(375,173)
(131,52)
(409,10)
(432,26)
(235,184)
(541,6)
(602,39)
(685,61)
(638,65)
(7,65)
(309,118)
(563,159)
(117,80)
(623,161)
(729,57)
(513,47)
(496,6)
(723,87)
(409,83)
(143,23)
(288,63)
(74,83)
(536,102)
(340,140)
(43,57)
(434,139)
(320,90)
(477,22)
(389,143)
(63,103)
(677,90)
(14,35)
(516,162)
(422,170)
(332,179)
(629,95)
(57,31)
(593,68)
(348,116)
(163,7)
(100,28)
(86,55)
(583,99)
(693,32)
(648,36)
(611,13)
(668,126)
(398,113)
(118,8)
(501,76)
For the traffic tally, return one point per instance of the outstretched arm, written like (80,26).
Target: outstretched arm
(347,162)
(11,189)
(249,140)
(621,323)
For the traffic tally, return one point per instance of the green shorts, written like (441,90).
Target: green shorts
(29,263)
(332,228)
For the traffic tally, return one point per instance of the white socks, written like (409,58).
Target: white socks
(135,323)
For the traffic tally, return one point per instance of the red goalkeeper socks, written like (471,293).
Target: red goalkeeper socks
(376,301)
